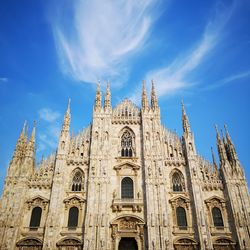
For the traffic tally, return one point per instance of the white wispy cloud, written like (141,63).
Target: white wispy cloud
(48,115)
(175,77)
(228,80)
(95,38)
(49,137)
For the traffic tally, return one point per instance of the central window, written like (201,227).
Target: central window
(181,218)
(126,145)
(127,188)
(35,218)
(77,181)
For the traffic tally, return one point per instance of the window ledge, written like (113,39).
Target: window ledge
(183,230)
(220,230)
(71,231)
(38,231)
(122,158)
(122,204)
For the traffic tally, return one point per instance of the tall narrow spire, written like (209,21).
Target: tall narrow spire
(185,121)
(22,140)
(66,122)
(21,145)
(230,145)
(144,100)
(30,151)
(220,146)
(214,162)
(33,135)
(217,135)
(98,97)
(154,101)
(228,137)
(107,100)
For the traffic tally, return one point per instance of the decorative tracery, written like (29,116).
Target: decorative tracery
(178,184)
(126,144)
(77,181)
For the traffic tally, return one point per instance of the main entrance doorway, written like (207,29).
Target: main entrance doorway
(128,244)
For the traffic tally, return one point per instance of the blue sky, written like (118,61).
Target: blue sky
(197,51)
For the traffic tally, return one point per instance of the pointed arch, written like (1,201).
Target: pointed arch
(177,181)
(77,180)
(127,138)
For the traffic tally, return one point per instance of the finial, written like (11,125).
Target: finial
(185,121)
(214,161)
(183,107)
(68,108)
(227,133)
(31,143)
(98,97)
(107,100)
(217,131)
(154,102)
(144,101)
(143,85)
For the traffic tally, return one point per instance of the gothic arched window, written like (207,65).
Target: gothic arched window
(177,183)
(73,217)
(181,218)
(35,218)
(77,181)
(217,217)
(126,145)
(127,188)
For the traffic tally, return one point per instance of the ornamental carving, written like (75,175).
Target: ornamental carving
(37,201)
(126,224)
(74,201)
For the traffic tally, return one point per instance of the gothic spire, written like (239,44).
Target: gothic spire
(31,142)
(66,122)
(218,136)
(98,97)
(220,146)
(214,162)
(144,101)
(231,148)
(154,101)
(107,100)
(22,140)
(185,121)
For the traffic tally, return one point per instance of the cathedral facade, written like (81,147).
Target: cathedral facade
(125,182)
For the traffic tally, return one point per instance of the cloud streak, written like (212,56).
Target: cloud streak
(48,115)
(228,80)
(49,136)
(175,77)
(94,39)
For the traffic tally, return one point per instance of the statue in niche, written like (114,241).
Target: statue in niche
(114,194)
(147,144)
